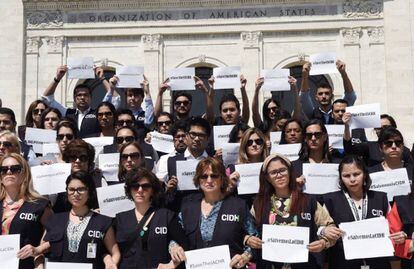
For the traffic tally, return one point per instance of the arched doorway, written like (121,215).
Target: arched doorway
(98,89)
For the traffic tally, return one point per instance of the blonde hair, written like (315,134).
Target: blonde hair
(243,158)
(26,191)
(12,138)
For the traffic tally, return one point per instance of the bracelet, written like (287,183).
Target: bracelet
(56,80)
(327,243)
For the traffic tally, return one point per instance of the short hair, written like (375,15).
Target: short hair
(121,172)
(229,98)
(387,133)
(67,123)
(199,121)
(164,113)
(135,91)
(47,111)
(217,167)
(79,87)
(282,114)
(133,130)
(234,133)
(29,113)
(111,108)
(386,116)
(323,85)
(182,93)
(137,174)
(12,138)
(359,162)
(8,111)
(124,111)
(340,101)
(177,126)
(88,181)
(78,146)
(243,158)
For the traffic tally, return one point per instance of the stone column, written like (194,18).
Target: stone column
(52,58)
(32,70)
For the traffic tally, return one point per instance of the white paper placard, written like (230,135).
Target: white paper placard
(130,76)
(221,135)
(162,142)
(230,153)
(112,200)
(366,239)
(37,137)
(323,63)
(9,246)
(336,135)
(50,179)
(109,164)
(275,80)
(320,178)
(287,244)
(249,177)
(394,182)
(226,77)
(275,138)
(364,116)
(80,68)
(99,142)
(50,148)
(182,79)
(208,258)
(291,151)
(68,265)
(185,174)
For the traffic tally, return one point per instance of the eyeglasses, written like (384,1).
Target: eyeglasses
(390,143)
(38,111)
(121,139)
(80,190)
(133,155)
(74,158)
(184,103)
(6,144)
(62,136)
(14,169)
(339,110)
(281,171)
(143,186)
(212,176)
(316,134)
(106,114)
(125,123)
(193,135)
(258,142)
(166,123)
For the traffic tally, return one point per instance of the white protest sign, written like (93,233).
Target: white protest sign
(394,182)
(249,177)
(230,153)
(275,80)
(208,258)
(68,265)
(99,142)
(275,138)
(321,178)
(287,244)
(50,148)
(291,151)
(50,179)
(109,164)
(364,116)
(112,200)
(182,79)
(366,239)
(221,135)
(226,77)
(81,68)
(162,142)
(185,174)
(130,76)
(9,246)
(336,135)
(323,63)
(37,137)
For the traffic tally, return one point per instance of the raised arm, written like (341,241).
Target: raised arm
(48,93)
(305,98)
(199,84)
(149,107)
(245,100)
(158,103)
(349,93)
(210,102)
(257,120)
(297,111)
(111,95)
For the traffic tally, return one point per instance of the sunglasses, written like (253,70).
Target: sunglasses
(184,103)
(166,123)
(121,139)
(62,136)
(144,186)
(38,111)
(82,158)
(6,144)
(316,134)
(14,169)
(212,176)
(389,143)
(258,142)
(106,114)
(339,110)
(134,155)
(125,123)
(80,190)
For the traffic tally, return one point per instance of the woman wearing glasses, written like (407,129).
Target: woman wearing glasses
(9,143)
(130,157)
(33,117)
(81,235)
(144,233)
(23,210)
(106,115)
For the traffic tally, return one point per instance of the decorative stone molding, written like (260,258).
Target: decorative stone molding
(301,56)
(54,44)
(103,62)
(32,45)
(251,39)
(351,36)
(44,19)
(363,8)
(151,42)
(376,35)
(202,58)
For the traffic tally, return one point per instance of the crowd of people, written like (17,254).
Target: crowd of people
(68,227)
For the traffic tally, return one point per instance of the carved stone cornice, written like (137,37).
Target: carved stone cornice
(363,8)
(44,19)
(376,35)
(351,36)
(33,45)
(151,42)
(54,44)
(251,39)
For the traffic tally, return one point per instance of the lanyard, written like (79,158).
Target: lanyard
(354,208)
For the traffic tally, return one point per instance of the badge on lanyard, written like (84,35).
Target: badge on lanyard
(91,251)
(364,266)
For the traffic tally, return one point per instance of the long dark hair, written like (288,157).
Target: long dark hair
(29,113)
(47,111)
(267,122)
(282,137)
(304,151)
(359,162)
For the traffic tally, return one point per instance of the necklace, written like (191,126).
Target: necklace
(285,211)
(10,202)
(81,218)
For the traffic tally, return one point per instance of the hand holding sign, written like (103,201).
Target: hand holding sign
(81,68)
(130,76)
(226,77)
(323,63)
(181,79)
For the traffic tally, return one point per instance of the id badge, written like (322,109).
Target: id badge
(364,266)
(91,251)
